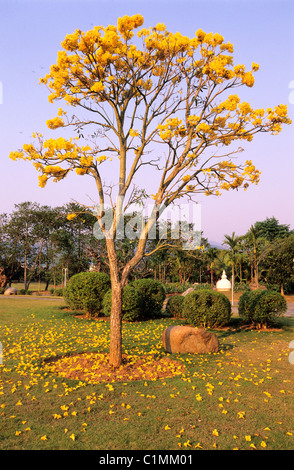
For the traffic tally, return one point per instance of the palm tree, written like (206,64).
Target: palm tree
(211,255)
(233,244)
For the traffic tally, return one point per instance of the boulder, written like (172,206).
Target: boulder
(10,291)
(187,339)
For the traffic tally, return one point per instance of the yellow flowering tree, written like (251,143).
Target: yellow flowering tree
(155,98)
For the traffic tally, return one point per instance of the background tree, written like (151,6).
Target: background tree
(21,229)
(270,229)
(279,262)
(157,106)
(10,251)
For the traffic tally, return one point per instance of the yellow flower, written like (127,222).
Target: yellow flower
(186,178)
(55,122)
(215,432)
(81,171)
(44,438)
(70,217)
(248,79)
(97,87)
(133,133)
(42,180)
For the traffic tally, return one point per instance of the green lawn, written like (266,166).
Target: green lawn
(240,398)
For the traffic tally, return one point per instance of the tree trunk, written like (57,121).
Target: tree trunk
(25,272)
(115,349)
(115,352)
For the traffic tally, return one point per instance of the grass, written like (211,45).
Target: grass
(34,286)
(240,398)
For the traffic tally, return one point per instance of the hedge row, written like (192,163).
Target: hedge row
(144,298)
(91,293)
(208,308)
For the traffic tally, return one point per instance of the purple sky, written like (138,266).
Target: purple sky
(261,31)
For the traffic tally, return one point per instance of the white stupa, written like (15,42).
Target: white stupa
(223,283)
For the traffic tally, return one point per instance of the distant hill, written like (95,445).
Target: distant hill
(216,245)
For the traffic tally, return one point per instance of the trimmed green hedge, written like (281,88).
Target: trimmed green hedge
(261,307)
(174,306)
(153,296)
(206,308)
(85,291)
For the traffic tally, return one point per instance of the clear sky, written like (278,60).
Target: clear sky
(261,31)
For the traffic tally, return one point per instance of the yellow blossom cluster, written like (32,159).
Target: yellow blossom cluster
(104,65)
(87,64)
(172,127)
(226,175)
(52,153)
(55,122)
(126,24)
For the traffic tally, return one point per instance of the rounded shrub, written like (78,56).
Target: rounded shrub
(131,304)
(269,307)
(262,307)
(174,306)
(85,291)
(153,296)
(247,303)
(206,308)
